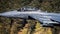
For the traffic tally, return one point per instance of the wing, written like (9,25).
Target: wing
(47,18)
(54,16)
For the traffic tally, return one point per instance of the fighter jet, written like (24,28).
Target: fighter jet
(46,19)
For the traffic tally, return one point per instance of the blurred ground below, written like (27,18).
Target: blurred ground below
(21,26)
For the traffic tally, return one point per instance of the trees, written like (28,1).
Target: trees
(49,5)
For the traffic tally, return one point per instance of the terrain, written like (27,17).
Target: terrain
(45,5)
(21,26)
